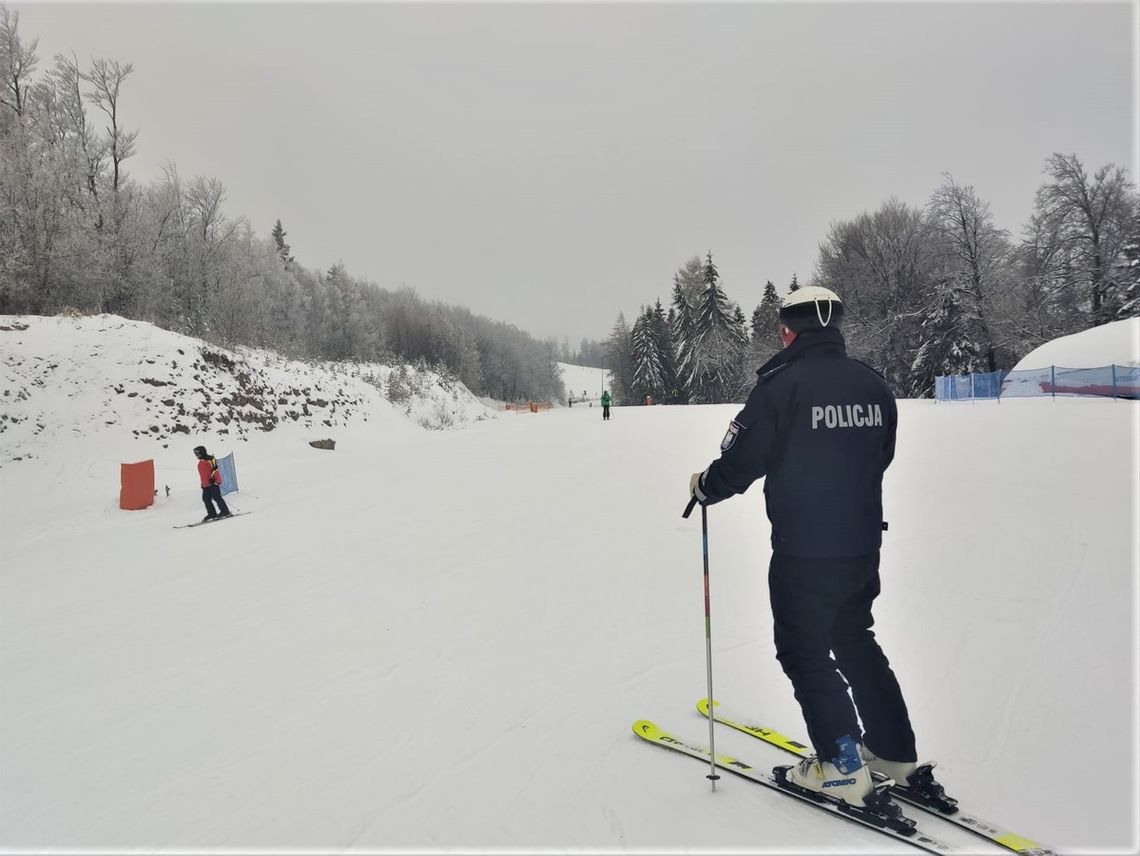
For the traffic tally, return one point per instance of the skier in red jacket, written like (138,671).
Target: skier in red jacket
(211,478)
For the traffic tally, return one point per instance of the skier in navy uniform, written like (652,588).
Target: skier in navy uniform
(819,427)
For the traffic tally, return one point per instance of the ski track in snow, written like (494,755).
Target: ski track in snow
(1051,622)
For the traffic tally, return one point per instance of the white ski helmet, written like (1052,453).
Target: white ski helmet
(811,307)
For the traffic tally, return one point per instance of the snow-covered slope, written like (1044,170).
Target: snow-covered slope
(69,378)
(438,640)
(584,383)
(1117,343)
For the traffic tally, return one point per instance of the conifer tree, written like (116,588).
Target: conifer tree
(619,359)
(684,335)
(660,326)
(739,323)
(283,249)
(949,347)
(763,344)
(756,323)
(766,316)
(648,368)
(718,349)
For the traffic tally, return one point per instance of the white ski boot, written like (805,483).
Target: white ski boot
(898,770)
(845,777)
(846,781)
(913,781)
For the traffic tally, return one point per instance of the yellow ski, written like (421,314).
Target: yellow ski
(656,735)
(990,831)
(757,731)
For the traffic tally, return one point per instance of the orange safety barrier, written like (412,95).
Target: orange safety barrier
(528,407)
(136,485)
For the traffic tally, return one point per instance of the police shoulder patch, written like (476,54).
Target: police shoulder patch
(734,429)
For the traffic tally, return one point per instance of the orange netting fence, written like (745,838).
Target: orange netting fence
(528,406)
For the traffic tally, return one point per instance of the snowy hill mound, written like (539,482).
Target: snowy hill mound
(69,378)
(1117,343)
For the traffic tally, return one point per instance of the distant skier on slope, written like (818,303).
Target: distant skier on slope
(607,400)
(820,427)
(211,478)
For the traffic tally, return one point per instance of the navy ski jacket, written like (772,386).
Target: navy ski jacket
(820,427)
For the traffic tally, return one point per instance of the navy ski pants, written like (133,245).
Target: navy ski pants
(822,607)
(211,495)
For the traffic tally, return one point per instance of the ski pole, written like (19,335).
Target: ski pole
(712,776)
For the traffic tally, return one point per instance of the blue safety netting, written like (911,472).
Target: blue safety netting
(976,385)
(1102,382)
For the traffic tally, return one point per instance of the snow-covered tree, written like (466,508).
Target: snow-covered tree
(691,276)
(648,365)
(766,315)
(739,322)
(661,330)
(619,354)
(975,257)
(949,343)
(17,64)
(283,249)
(1127,271)
(715,371)
(763,343)
(79,233)
(684,334)
(883,265)
(1086,222)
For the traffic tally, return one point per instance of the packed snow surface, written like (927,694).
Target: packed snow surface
(438,640)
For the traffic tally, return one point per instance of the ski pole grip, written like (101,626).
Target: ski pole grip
(689,508)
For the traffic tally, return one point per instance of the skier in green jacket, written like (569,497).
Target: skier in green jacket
(607,400)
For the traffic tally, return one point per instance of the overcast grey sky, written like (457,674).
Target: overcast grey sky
(550,164)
